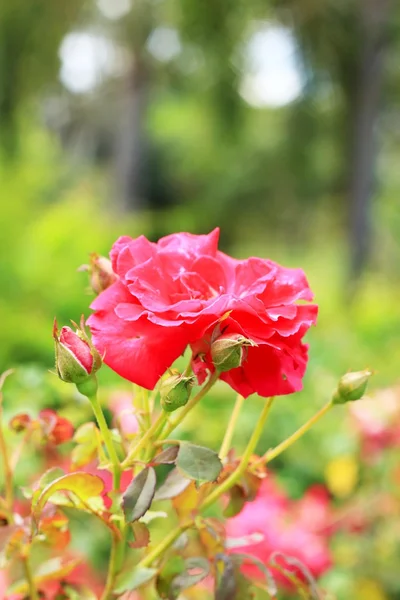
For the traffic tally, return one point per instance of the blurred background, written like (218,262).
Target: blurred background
(279,122)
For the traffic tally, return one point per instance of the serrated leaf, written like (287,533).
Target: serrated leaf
(174,484)
(83,485)
(226,584)
(139,495)
(198,463)
(196,569)
(141,535)
(132,579)
(166,457)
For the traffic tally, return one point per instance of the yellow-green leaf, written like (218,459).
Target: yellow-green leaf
(83,485)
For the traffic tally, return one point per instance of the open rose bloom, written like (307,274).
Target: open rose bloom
(183,291)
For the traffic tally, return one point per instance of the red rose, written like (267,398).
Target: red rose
(178,291)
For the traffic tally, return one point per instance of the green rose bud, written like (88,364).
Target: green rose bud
(351,386)
(229,351)
(175,392)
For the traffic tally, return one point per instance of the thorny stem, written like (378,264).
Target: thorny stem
(251,446)
(231,427)
(107,440)
(271,454)
(33,595)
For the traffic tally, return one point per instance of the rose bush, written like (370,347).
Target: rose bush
(183,291)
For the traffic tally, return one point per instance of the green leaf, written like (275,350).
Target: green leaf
(132,579)
(174,484)
(196,569)
(198,463)
(139,495)
(83,485)
(166,457)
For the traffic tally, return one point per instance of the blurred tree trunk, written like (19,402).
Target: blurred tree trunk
(364,111)
(131,141)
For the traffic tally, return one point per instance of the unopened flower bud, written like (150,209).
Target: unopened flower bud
(20,422)
(76,357)
(351,386)
(175,392)
(101,274)
(229,351)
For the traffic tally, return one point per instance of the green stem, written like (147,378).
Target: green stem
(107,440)
(114,565)
(146,408)
(271,454)
(164,545)
(33,595)
(150,433)
(231,427)
(251,446)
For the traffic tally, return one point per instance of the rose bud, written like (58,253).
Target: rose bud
(351,386)
(101,274)
(76,357)
(229,351)
(56,429)
(175,392)
(20,422)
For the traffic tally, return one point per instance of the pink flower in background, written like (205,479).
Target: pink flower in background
(377,421)
(296,528)
(121,406)
(176,292)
